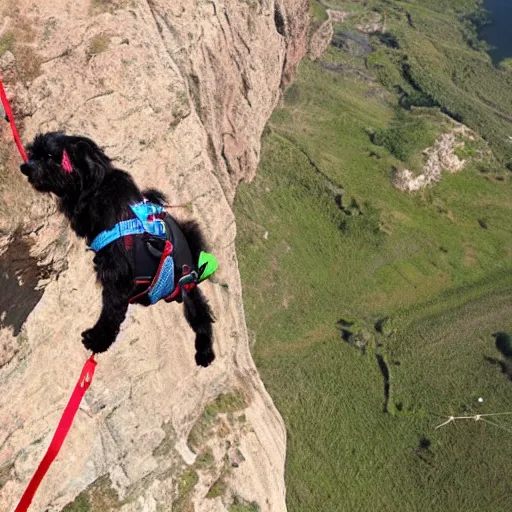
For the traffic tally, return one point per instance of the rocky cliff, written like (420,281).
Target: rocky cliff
(177,93)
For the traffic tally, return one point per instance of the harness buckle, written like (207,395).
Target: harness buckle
(158,227)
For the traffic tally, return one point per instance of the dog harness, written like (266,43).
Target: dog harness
(164,266)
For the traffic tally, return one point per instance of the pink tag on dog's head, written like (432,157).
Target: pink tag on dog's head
(66,162)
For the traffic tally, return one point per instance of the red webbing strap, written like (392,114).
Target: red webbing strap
(8,112)
(60,434)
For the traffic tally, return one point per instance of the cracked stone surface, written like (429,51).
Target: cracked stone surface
(178,93)
(438,158)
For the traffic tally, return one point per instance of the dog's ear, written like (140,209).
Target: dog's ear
(88,159)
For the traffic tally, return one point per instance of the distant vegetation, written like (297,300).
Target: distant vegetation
(440,60)
(374,314)
(404,136)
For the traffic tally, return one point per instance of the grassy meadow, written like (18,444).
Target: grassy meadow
(372,311)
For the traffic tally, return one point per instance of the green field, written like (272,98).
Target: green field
(349,283)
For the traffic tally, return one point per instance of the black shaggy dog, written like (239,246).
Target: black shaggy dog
(94,195)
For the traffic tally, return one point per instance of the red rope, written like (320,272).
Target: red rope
(10,118)
(60,434)
(81,386)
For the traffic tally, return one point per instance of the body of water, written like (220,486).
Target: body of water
(499,32)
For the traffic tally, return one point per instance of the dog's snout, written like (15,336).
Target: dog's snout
(26,168)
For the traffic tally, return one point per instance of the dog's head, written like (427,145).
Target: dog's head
(64,165)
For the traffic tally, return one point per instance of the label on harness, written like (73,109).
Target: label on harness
(150,215)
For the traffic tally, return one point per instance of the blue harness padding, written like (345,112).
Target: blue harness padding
(143,211)
(123,228)
(146,221)
(164,284)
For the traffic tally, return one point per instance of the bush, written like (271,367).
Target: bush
(403,137)
(504,343)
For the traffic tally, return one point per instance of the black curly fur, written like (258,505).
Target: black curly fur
(94,197)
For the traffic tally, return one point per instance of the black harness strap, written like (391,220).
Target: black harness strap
(146,253)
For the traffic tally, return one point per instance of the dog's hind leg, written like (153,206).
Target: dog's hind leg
(200,318)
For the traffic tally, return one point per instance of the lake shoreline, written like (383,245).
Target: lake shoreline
(495,31)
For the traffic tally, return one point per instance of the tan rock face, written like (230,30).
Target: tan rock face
(321,39)
(178,94)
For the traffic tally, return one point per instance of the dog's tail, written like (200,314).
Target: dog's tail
(200,318)
(195,238)
(155,196)
(189,228)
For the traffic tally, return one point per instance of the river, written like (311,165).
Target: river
(498,33)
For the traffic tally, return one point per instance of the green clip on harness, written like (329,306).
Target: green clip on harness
(208,264)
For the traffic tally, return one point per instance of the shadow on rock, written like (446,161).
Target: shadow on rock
(19,276)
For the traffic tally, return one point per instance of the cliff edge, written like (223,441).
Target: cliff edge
(178,94)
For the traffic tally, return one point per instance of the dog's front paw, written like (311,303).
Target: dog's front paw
(205,357)
(96,340)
